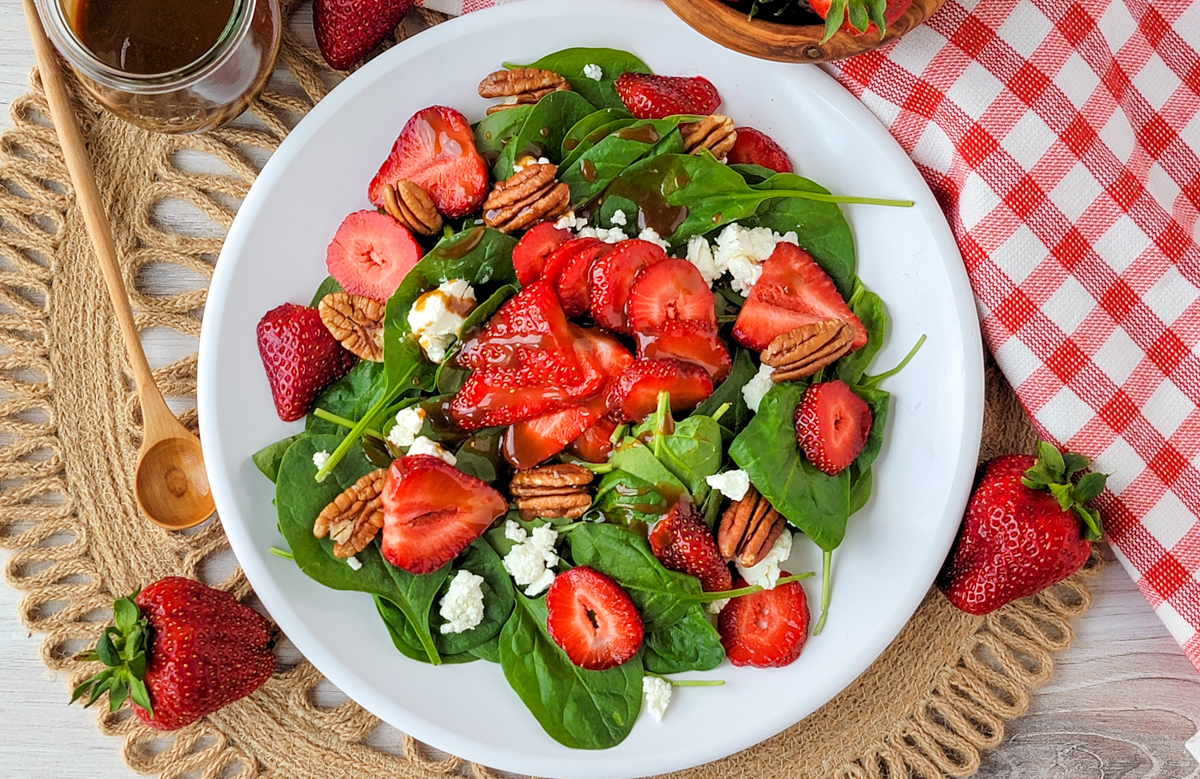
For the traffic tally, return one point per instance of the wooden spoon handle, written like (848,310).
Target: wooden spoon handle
(83,178)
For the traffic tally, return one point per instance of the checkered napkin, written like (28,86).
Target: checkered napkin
(1061,139)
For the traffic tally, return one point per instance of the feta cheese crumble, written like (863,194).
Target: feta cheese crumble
(731,484)
(438,315)
(528,160)
(353,562)
(618,217)
(651,235)
(699,253)
(569,221)
(658,695)
(593,71)
(739,251)
(320,458)
(758,387)
(462,605)
(408,426)
(715,606)
(531,561)
(423,445)
(765,573)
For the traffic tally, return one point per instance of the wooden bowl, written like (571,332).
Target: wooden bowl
(785,42)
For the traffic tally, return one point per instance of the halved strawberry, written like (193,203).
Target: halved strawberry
(634,396)
(530,254)
(300,357)
(766,629)
(792,291)
(693,342)
(370,254)
(682,542)
(754,147)
(832,424)
(595,443)
(432,511)
(613,275)
(666,292)
(575,284)
(530,442)
(503,397)
(557,262)
(436,151)
(592,619)
(656,97)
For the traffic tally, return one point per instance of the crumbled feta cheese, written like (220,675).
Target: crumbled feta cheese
(658,695)
(569,221)
(758,387)
(606,234)
(699,253)
(320,458)
(438,315)
(528,160)
(715,606)
(593,71)
(765,572)
(531,561)
(353,562)
(462,605)
(423,445)
(731,484)
(743,274)
(618,217)
(649,234)
(408,426)
(741,251)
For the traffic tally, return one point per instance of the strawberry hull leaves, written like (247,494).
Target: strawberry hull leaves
(569,64)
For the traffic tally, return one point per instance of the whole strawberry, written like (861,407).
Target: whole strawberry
(1026,528)
(682,542)
(300,356)
(657,97)
(347,29)
(179,650)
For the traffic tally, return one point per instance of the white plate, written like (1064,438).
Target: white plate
(275,253)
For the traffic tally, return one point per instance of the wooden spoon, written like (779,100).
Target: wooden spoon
(171,485)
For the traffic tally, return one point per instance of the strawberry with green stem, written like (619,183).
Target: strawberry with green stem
(858,17)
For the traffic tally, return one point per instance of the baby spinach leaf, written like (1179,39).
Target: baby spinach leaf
(480,559)
(496,131)
(868,307)
(626,500)
(578,708)
(589,124)
(590,171)
(299,499)
(860,487)
(489,650)
(693,452)
(269,457)
(586,142)
(691,644)
(636,459)
(877,399)
(404,637)
(328,287)
(730,391)
(543,132)
(662,596)
(766,450)
(569,63)
(753,174)
(349,397)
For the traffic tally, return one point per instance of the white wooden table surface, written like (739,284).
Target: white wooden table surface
(1122,701)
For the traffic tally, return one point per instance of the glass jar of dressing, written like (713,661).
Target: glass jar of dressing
(174,66)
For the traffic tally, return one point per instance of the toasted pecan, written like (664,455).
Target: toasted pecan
(356,322)
(802,352)
(353,518)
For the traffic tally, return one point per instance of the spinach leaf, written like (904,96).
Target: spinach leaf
(496,131)
(636,459)
(269,457)
(578,708)
(543,132)
(820,227)
(877,399)
(299,499)
(693,452)
(350,397)
(691,644)
(328,287)
(404,637)
(860,487)
(592,170)
(480,559)
(868,307)
(587,125)
(661,596)
(569,64)
(489,650)
(586,142)
(766,450)
(626,500)
(753,174)
(730,391)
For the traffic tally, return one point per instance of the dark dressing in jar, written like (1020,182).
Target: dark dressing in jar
(150,36)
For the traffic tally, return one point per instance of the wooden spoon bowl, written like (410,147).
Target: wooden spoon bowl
(785,42)
(171,484)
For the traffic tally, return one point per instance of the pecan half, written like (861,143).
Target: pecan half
(354,517)
(748,529)
(412,207)
(520,86)
(807,349)
(552,491)
(356,321)
(530,195)
(714,133)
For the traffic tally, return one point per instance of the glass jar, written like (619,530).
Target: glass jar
(199,96)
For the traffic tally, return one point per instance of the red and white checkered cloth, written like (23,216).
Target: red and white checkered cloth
(1061,139)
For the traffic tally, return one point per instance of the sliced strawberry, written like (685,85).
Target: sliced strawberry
(491,398)
(682,542)
(753,147)
(766,629)
(657,97)
(557,262)
(530,442)
(613,357)
(792,291)
(300,356)
(436,151)
(432,511)
(370,254)
(592,619)
(530,254)
(613,275)
(575,283)
(832,424)
(669,291)
(634,396)
(692,342)
(595,443)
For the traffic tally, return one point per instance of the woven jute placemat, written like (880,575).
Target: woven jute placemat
(69,435)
